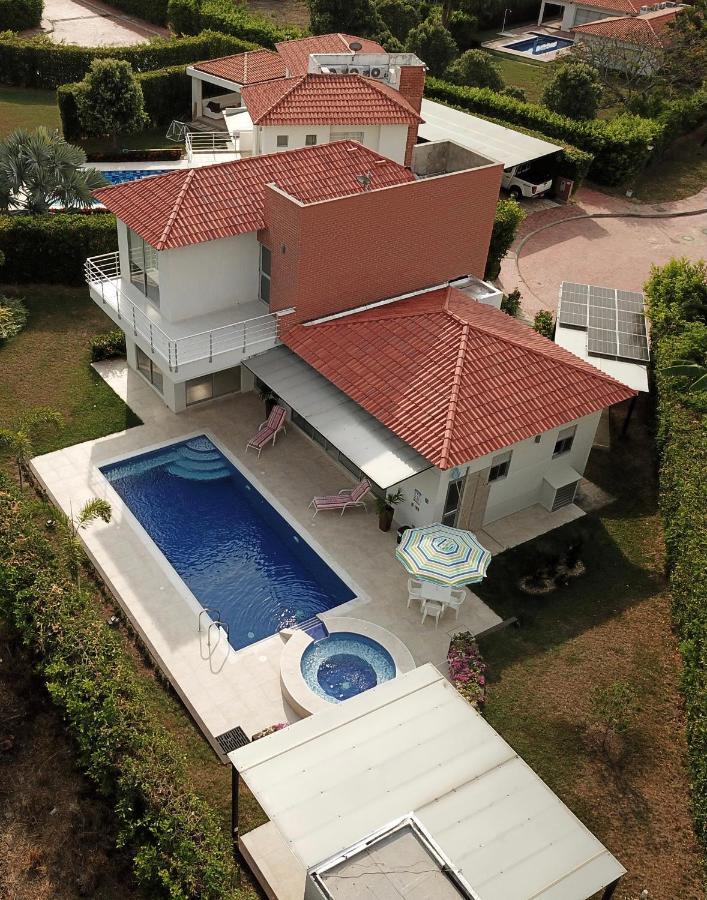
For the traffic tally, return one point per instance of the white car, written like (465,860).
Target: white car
(525,181)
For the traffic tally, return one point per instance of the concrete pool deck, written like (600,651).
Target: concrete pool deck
(221,687)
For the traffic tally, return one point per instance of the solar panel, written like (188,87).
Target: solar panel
(614,320)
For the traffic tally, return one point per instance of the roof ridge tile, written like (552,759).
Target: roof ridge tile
(175,210)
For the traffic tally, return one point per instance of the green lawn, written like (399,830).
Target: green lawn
(27,108)
(518,73)
(611,624)
(681,172)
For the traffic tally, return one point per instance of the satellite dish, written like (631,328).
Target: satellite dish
(355,45)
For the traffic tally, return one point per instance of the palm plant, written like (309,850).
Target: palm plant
(694,372)
(39,169)
(19,439)
(93,509)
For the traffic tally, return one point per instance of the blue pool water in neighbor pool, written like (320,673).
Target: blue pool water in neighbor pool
(539,44)
(120,176)
(345,664)
(234,551)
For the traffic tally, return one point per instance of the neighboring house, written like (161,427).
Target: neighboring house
(575,14)
(628,43)
(311,91)
(346,284)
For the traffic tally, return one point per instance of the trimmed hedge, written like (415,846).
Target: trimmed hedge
(179,847)
(506,223)
(677,329)
(228,17)
(16,15)
(167,94)
(154,11)
(619,146)
(53,247)
(38,62)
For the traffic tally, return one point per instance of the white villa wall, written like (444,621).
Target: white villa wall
(209,277)
(388,140)
(576,14)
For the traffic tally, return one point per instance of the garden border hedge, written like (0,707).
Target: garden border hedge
(16,15)
(682,444)
(54,246)
(179,847)
(40,63)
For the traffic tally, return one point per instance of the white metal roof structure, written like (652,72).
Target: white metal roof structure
(413,747)
(372,447)
(504,145)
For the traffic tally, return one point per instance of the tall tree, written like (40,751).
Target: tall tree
(39,169)
(435,46)
(573,90)
(476,68)
(357,17)
(110,102)
(399,16)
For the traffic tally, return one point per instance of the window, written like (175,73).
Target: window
(144,273)
(452,502)
(564,441)
(499,466)
(215,384)
(265,267)
(282,141)
(347,136)
(310,140)
(149,370)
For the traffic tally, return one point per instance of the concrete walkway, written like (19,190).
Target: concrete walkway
(93,24)
(600,239)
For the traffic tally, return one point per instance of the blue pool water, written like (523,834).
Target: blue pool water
(539,44)
(120,176)
(234,551)
(345,664)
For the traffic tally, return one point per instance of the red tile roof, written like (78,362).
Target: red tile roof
(453,378)
(647,30)
(190,206)
(615,6)
(327,100)
(245,68)
(295,54)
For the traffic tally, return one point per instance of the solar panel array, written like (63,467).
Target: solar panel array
(614,320)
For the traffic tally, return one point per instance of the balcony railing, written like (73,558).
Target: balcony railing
(208,142)
(103,276)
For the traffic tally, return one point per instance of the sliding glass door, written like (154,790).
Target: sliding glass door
(143,267)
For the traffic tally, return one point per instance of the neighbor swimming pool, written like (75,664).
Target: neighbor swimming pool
(233,550)
(539,44)
(120,176)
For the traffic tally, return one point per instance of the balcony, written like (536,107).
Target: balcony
(171,344)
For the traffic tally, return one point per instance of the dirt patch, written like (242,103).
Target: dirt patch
(57,837)
(284,12)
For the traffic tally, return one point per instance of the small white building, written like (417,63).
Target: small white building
(405,792)
(582,11)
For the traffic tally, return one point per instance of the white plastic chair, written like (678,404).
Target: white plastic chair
(457,597)
(433,609)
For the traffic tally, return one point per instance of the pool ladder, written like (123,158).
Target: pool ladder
(215,623)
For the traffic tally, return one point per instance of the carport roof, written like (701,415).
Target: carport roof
(504,145)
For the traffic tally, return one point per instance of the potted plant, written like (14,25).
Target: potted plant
(386,507)
(269,398)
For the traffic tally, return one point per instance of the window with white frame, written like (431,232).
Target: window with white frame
(564,441)
(282,141)
(500,464)
(310,140)
(265,267)
(144,273)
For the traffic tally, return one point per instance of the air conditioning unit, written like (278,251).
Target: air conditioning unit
(380,72)
(644,9)
(359,70)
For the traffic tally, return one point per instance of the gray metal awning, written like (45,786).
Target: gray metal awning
(504,145)
(378,453)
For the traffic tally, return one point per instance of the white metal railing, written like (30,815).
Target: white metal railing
(103,275)
(208,142)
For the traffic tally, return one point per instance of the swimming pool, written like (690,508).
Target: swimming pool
(345,664)
(232,548)
(120,176)
(537,44)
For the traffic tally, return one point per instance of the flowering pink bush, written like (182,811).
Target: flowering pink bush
(271,729)
(467,670)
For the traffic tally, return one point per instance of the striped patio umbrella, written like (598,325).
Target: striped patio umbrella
(443,555)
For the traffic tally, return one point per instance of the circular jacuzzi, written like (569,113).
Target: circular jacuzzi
(345,664)
(354,657)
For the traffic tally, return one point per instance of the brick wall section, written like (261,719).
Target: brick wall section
(412,86)
(344,253)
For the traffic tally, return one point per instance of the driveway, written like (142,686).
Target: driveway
(93,24)
(563,244)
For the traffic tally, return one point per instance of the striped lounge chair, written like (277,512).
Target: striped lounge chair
(268,430)
(343,500)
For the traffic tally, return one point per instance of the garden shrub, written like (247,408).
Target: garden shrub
(184,16)
(39,62)
(17,15)
(166,93)
(152,10)
(467,670)
(229,18)
(13,317)
(510,303)
(619,146)
(677,301)
(110,345)
(544,323)
(508,217)
(54,246)
(110,101)
(179,847)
